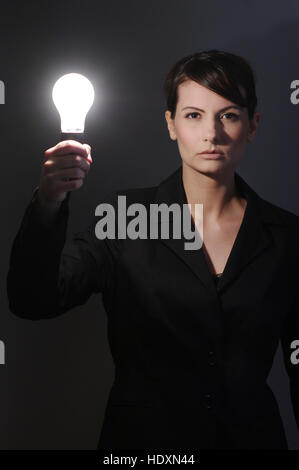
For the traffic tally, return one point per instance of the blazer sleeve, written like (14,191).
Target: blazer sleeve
(289,339)
(47,275)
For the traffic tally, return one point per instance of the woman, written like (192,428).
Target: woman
(223,128)
(191,356)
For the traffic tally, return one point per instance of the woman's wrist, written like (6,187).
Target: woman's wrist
(47,210)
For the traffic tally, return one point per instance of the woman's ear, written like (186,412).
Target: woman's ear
(253,126)
(170,125)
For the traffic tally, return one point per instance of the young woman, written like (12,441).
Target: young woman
(211,115)
(193,333)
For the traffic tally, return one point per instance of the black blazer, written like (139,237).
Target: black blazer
(191,357)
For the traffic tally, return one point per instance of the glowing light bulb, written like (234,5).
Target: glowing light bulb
(73,96)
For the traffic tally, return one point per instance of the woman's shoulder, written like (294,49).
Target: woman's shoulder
(277,214)
(269,212)
(147,194)
(142,195)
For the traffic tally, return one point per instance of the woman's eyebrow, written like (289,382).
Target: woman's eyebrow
(219,111)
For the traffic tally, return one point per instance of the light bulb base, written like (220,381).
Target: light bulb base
(78,136)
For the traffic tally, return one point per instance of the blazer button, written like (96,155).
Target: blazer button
(211,361)
(208,403)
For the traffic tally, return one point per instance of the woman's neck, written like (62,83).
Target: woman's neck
(217,193)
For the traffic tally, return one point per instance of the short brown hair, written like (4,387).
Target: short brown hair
(220,71)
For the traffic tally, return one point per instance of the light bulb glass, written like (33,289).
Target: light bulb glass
(73,96)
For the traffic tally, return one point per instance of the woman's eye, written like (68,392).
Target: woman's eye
(235,116)
(192,114)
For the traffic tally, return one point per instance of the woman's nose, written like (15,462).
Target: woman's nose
(210,129)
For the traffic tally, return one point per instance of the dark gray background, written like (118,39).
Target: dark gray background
(58,372)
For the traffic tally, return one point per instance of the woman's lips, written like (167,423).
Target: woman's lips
(211,156)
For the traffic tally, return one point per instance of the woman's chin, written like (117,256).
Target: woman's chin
(208,167)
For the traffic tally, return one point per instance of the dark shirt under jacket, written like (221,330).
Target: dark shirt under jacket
(191,357)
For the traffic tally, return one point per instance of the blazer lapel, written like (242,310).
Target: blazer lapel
(252,238)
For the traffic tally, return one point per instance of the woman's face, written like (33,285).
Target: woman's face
(201,123)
